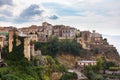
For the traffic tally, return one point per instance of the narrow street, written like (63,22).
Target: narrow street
(80,75)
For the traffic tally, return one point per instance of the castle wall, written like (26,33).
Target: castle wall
(27,48)
(10,40)
(1,44)
(1,41)
(32,50)
(26,44)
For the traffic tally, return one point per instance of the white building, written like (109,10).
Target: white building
(85,63)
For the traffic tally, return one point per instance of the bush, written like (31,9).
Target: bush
(114,68)
(69,76)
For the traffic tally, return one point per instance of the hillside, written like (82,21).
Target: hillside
(69,52)
(113,39)
(57,57)
(70,60)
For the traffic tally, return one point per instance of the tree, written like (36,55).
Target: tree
(69,76)
(53,46)
(105,39)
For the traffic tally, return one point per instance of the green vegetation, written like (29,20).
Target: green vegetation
(69,76)
(93,72)
(114,68)
(19,68)
(54,46)
(3,33)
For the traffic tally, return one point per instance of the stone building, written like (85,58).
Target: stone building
(28,30)
(24,30)
(44,32)
(86,36)
(96,37)
(33,29)
(66,32)
(48,29)
(5,30)
(84,39)
(33,37)
(90,40)
(57,30)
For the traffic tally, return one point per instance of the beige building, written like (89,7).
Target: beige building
(72,32)
(33,37)
(86,36)
(96,37)
(28,30)
(90,40)
(68,32)
(6,29)
(47,30)
(84,39)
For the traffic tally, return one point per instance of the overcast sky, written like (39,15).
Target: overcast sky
(100,15)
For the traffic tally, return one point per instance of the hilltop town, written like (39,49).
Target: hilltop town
(92,45)
(88,40)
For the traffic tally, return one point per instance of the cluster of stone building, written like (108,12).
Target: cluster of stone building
(91,40)
(35,34)
(43,33)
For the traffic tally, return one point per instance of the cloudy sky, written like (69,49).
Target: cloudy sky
(100,15)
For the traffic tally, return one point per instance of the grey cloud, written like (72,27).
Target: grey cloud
(53,17)
(6,19)
(29,13)
(6,2)
(6,15)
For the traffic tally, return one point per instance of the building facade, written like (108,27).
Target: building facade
(86,62)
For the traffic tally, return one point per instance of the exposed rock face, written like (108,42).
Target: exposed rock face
(68,60)
(56,75)
(97,46)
